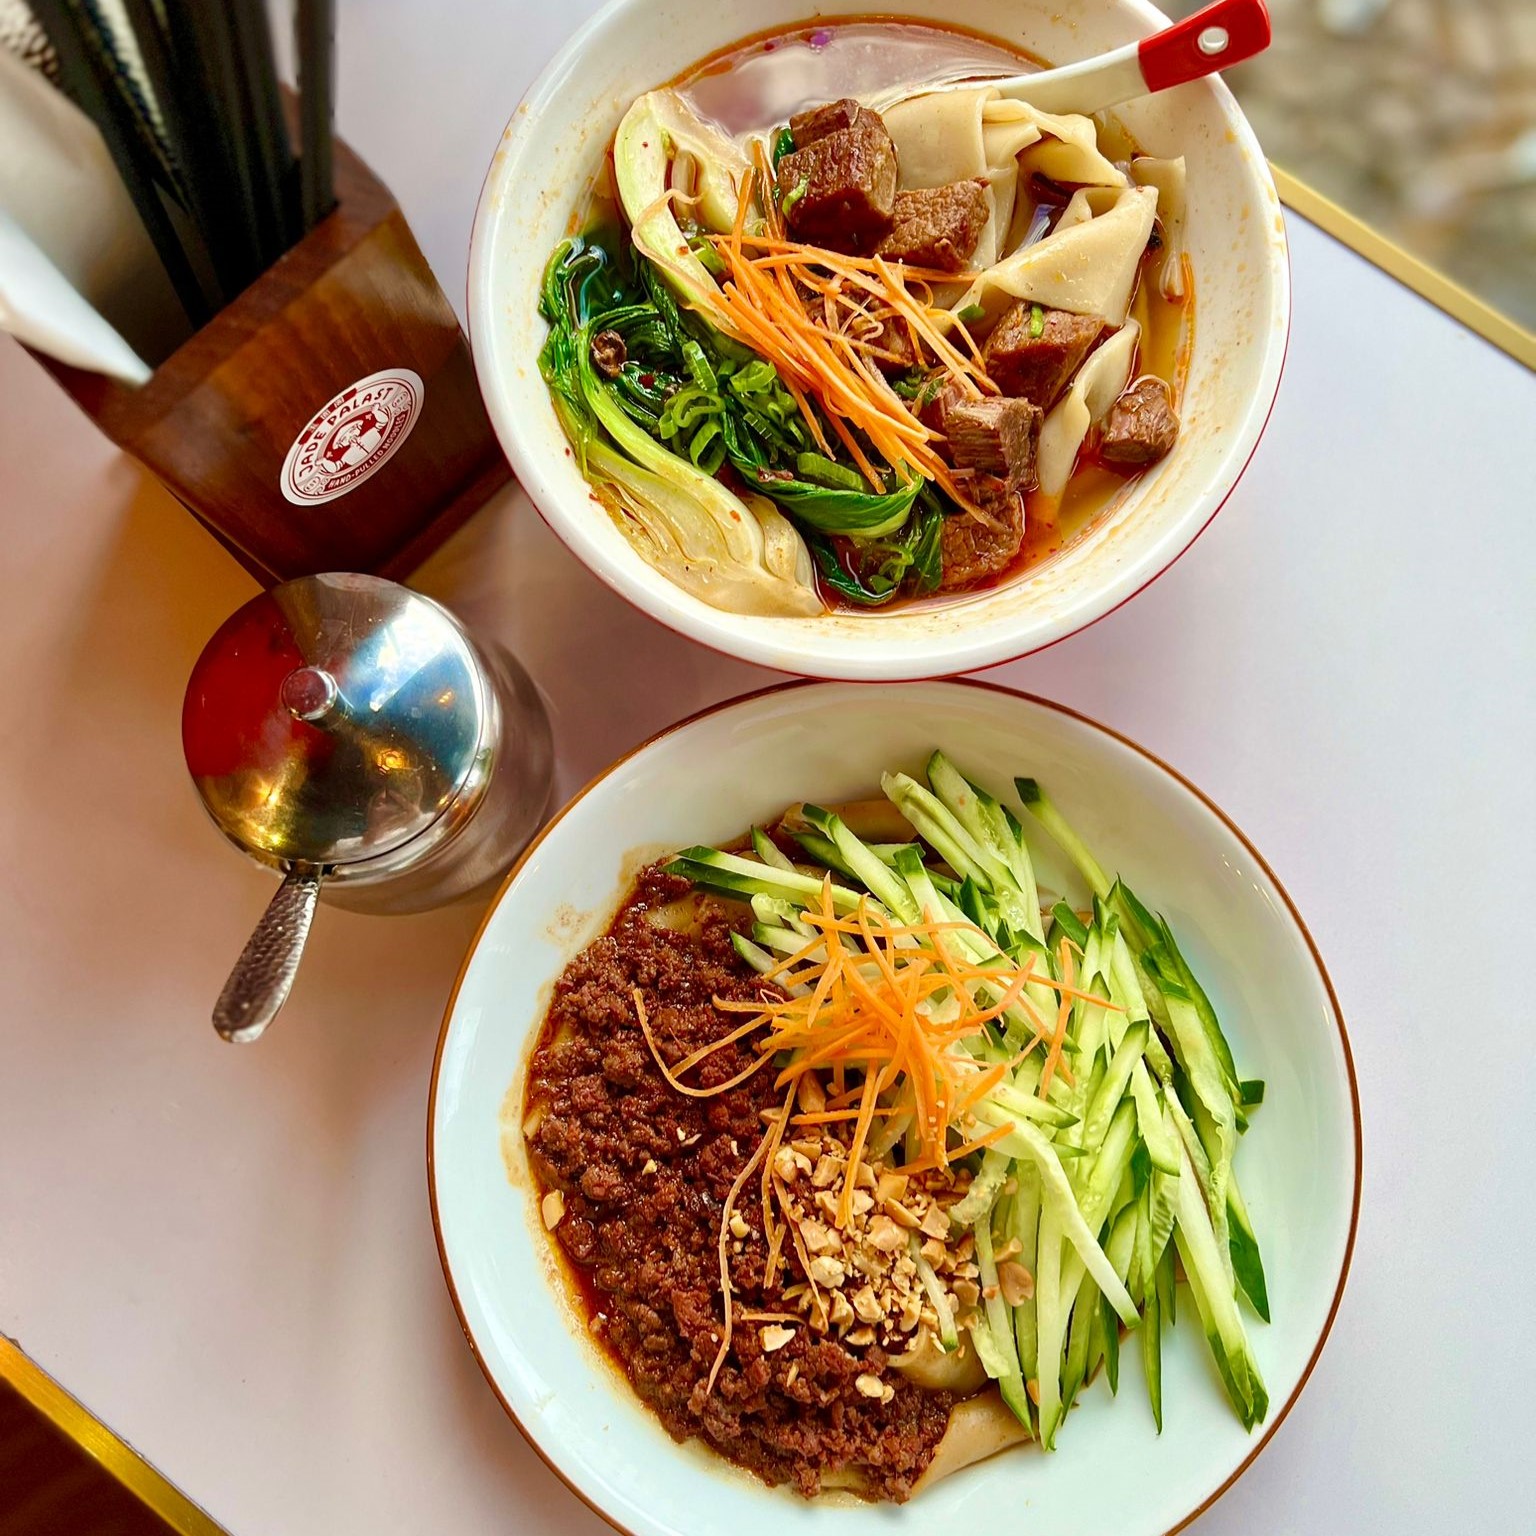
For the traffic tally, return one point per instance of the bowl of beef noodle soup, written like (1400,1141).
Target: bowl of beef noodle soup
(824,351)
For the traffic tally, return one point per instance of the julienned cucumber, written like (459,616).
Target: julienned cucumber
(1123,1159)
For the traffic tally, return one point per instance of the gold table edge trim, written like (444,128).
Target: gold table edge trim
(1410,270)
(109,1451)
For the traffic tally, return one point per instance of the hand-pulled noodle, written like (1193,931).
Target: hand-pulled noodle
(954,135)
(1087,264)
(1095,387)
(1065,148)
(1168,177)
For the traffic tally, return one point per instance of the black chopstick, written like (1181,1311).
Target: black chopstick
(315,44)
(203,37)
(207,146)
(188,146)
(272,157)
(89,78)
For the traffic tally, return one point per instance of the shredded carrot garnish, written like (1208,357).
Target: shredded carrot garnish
(725,1261)
(673,1081)
(819,317)
(873,1011)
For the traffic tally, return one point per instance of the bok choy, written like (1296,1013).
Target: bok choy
(732,552)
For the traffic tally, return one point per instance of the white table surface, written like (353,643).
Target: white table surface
(227,1253)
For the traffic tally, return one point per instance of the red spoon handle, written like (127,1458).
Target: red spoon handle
(1222,34)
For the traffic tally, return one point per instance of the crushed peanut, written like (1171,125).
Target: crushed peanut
(1018,1285)
(863,1280)
(810,1095)
(867,1305)
(776,1336)
(828,1271)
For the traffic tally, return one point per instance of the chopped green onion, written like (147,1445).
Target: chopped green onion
(1036,320)
(821,470)
(794,195)
(783,144)
(973,312)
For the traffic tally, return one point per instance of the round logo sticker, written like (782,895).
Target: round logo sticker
(352,437)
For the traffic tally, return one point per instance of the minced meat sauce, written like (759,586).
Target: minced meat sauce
(644,1173)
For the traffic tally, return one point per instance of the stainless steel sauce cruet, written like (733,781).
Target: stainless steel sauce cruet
(348,732)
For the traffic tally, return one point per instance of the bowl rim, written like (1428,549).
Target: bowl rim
(796,684)
(688,616)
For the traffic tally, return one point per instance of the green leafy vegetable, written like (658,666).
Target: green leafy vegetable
(866,513)
(658,128)
(734,552)
(783,144)
(870,572)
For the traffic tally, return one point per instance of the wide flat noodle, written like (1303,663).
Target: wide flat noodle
(938,137)
(1086,265)
(945,136)
(1067,150)
(953,135)
(1169,179)
(1095,387)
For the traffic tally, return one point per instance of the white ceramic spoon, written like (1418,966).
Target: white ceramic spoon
(1214,38)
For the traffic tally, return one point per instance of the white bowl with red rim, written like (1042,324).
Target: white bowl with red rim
(538,184)
(707,780)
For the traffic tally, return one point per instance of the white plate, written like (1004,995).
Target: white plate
(708,779)
(537,185)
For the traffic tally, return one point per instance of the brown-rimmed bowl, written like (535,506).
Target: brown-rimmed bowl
(707,780)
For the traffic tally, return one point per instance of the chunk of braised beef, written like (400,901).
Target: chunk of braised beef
(935,401)
(974,547)
(840,190)
(817,122)
(995,436)
(937,226)
(1141,426)
(1032,352)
